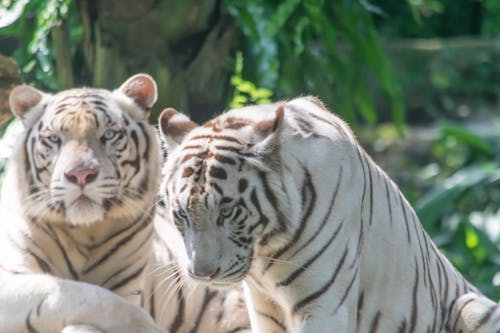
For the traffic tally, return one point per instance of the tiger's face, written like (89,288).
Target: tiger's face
(217,191)
(86,150)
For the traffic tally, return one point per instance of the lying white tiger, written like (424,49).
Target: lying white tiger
(78,214)
(282,197)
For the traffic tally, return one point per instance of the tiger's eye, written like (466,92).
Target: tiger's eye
(226,212)
(182,213)
(109,134)
(54,138)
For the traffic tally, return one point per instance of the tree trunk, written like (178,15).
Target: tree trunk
(10,77)
(184,45)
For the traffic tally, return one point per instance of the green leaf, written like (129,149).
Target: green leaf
(466,136)
(431,206)
(471,237)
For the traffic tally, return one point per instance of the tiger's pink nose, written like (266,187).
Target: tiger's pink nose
(81,176)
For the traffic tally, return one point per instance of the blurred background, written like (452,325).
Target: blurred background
(418,80)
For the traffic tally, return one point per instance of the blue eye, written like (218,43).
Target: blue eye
(109,134)
(54,138)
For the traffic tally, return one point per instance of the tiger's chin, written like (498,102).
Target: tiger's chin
(217,284)
(84,212)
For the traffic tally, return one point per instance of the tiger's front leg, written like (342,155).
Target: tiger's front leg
(43,303)
(266,316)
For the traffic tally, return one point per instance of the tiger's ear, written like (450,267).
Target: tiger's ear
(269,133)
(272,125)
(174,126)
(141,88)
(25,103)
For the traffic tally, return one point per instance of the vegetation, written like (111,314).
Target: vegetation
(209,55)
(461,212)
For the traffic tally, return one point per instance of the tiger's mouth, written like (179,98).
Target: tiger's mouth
(83,201)
(215,283)
(220,280)
(84,211)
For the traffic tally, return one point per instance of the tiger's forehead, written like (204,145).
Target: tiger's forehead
(81,110)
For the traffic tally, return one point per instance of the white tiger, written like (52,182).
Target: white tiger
(282,197)
(78,226)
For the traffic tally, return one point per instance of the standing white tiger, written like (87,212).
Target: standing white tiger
(78,222)
(282,197)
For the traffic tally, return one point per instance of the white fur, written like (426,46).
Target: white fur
(103,248)
(370,256)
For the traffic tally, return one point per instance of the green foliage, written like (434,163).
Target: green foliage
(245,92)
(438,18)
(331,49)
(491,21)
(462,212)
(31,22)
(317,47)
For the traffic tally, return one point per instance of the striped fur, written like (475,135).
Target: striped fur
(282,197)
(79,222)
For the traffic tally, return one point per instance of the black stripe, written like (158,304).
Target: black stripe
(420,247)
(262,218)
(403,207)
(238,329)
(308,185)
(388,198)
(136,162)
(44,266)
(118,245)
(348,289)
(311,297)
(29,325)
(375,321)
(179,318)
(145,155)
(152,309)
(332,123)
(487,316)
(206,300)
(129,278)
(402,327)
(302,268)
(326,218)
(54,237)
(459,313)
(359,311)
(370,182)
(275,320)
(414,309)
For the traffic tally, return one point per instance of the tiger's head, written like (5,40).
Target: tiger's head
(217,189)
(88,154)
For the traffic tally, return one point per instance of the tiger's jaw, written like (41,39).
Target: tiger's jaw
(231,269)
(84,211)
(83,205)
